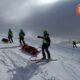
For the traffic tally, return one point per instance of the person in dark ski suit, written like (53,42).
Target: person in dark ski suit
(45,44)
(74,44)
(21,37)
(10,36)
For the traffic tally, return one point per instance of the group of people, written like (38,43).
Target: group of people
(21,36)
(45,44)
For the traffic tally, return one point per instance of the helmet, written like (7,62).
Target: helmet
(45,32)
(9,29)
(21,30)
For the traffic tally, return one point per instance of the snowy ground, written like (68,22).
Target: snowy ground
(15,65)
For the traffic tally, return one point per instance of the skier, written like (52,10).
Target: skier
(10,36)
(45,44)
(74,44)
(21,37)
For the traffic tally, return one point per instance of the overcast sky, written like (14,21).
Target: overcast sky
(58,17)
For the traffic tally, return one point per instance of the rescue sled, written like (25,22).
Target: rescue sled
(5,40)
(30,50)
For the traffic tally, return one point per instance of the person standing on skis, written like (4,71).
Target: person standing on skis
(74,44)
(10,36)
(21,37)
(45,44)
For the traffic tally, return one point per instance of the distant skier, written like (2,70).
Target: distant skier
(10,36)
(45,44)
(74,44)
(21,37)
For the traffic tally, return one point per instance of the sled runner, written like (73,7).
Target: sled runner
(9,47)
(30,50)
(5,40)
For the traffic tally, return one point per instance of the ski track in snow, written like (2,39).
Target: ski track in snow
(18,67)
(68,65)
(22,72)
(70,70)
(10,54)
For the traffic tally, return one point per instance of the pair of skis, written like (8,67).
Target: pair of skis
(45,60)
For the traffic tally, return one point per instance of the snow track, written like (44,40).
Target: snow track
(19,67)
(70,70)
(14,65)
(70,63)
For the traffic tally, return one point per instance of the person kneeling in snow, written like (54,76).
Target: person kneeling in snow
(45,44)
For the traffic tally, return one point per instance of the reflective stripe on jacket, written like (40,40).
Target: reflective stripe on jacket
(21,34)
(45,40)
(10,33)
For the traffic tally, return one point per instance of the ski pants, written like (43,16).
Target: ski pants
(45,48)
(10,39)
(21,40)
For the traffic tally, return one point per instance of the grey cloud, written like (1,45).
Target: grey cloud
(59,19)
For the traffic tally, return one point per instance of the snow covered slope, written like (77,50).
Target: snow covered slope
(15,65)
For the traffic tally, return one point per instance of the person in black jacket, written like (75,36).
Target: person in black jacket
(45,44)
(21,37)
(10,36)
(74,44)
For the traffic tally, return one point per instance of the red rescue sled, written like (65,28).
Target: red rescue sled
(5,40)
(31,50)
